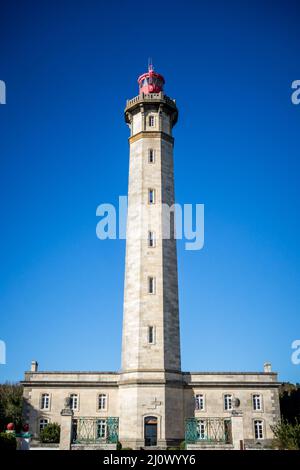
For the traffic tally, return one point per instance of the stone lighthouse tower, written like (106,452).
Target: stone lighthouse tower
(151,392)
(150,401)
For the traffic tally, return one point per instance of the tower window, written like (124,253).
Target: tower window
(151,196)
(151,156)
(151,285)
(258,429)
(102,400)
(151,334)
(151,239)
(74,401)
(227,402)
(45,401)
(151,121)
(199,402)
(257,402)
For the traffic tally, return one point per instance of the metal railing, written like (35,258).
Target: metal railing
(150,97)
(93,430)
(208,430)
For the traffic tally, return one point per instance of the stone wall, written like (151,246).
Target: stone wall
(87,386)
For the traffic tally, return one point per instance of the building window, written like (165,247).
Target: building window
(227,402)
(151,285)
(151,334)
(151,239)
(151,196)
(258,429)
(151,156)
(102,400)
(151,121)
(201,430)
(101,429)
(43,423)
(199,402)
(45,401)
(74,401)
(257,403)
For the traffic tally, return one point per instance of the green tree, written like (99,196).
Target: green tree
(11,404)
(289,395)
(50,434)
(287,435)
(7,441)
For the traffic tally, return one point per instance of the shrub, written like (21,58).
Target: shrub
(50,434)
(182,445)
(119,446)
(287,435)
(8,441)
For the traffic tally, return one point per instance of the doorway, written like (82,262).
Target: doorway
(150,431)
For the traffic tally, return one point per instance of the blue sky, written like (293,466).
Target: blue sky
(68,68)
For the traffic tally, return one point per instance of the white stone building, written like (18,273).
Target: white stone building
(151,402)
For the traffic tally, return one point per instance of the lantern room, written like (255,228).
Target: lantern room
(151,82)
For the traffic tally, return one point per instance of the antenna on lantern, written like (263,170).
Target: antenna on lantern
(151,82)
(150,65)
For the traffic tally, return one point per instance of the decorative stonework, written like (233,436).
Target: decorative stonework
(153,135)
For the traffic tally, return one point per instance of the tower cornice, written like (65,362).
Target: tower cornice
(145,99)
(151,134)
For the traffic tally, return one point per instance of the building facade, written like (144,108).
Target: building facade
(151,402)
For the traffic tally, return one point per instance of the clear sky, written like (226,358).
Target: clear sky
(69,66)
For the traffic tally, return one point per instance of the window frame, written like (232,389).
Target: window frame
(261,429)
(72,396)
(151,156)
(201,429)
(254,402)
(151,196)
(46,422)
(105,397)
(225,398)
(151,334)
(151,239)
(101,420)
(151,285)
(201,399)
(151,120)
(42,407)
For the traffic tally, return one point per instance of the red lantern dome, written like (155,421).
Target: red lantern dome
(151,82)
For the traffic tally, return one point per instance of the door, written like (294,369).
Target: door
(150,431)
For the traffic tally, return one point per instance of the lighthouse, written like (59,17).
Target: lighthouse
(151,380)
(150,402)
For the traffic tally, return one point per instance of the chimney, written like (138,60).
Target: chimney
(34,366)
(267,367)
